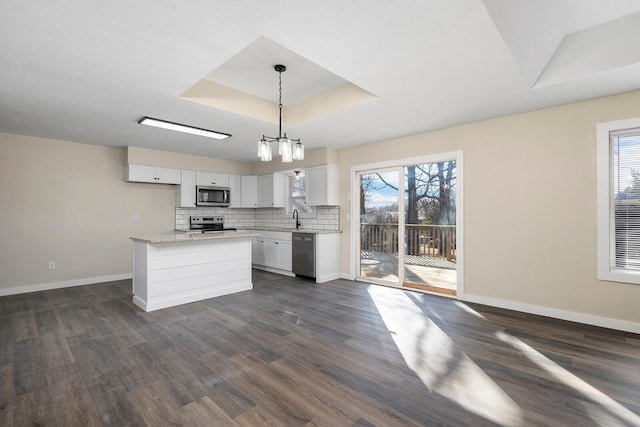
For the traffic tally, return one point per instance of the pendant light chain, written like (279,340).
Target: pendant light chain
(280,103)
(285,148)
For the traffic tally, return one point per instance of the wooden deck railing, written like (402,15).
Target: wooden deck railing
(437,241)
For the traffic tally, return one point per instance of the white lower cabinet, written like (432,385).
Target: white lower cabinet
(272,253)
(285,255)
(272,250)
(257,250)
(327,257)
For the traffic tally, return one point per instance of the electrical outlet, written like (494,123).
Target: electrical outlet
(52,265)
(136,217)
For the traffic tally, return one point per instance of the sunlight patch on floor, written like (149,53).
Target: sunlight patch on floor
(468,309)
(604,410)
(432,355)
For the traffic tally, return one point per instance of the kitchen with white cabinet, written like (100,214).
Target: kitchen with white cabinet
(261,205)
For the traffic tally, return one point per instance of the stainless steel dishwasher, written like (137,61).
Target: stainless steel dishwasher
(303,249)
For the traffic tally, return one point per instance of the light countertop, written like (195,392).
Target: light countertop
(294,230)
(187,237)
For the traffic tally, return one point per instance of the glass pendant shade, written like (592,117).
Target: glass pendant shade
(284,149)
(284,145)
(287,157)
(264,150)
(268,153)
(298,151)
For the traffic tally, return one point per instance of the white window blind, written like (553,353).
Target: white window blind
(624,199)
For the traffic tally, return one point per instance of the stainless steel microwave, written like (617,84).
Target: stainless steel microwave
(212,196)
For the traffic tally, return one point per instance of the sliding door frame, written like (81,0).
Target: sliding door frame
(399,170)
(399,164)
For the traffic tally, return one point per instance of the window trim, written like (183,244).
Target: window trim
(604,239)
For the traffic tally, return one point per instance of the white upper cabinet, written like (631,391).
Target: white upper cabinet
(211,178)
(322,185)
(186,191)
(153,174)
(235,187)
(271,190)
(248,191)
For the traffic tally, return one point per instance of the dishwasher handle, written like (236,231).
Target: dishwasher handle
(300,238)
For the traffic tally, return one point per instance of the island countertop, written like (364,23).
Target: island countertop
(187,237)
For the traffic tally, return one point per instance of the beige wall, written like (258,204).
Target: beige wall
(68,202)
(529,205)
(145,156)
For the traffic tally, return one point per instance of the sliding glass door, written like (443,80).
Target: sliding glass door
(379,214)
(429,261)
(407,226)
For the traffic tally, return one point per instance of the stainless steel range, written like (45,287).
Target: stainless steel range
(208,224)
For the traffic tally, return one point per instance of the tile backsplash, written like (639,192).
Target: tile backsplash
(326,218)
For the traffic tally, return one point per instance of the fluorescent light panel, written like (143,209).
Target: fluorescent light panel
(148,121)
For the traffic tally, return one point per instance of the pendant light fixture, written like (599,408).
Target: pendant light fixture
(286,149)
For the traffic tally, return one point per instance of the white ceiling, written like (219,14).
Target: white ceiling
(87,71)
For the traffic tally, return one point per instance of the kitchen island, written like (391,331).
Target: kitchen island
(179,268)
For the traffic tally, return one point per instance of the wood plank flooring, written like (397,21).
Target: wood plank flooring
(295,353)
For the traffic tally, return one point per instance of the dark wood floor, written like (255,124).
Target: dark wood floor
(295,353)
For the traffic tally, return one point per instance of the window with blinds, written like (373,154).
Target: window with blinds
(618,156)
(624,203)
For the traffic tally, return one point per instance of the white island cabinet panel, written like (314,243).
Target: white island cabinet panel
(178,260)
(169,272)
(202,280)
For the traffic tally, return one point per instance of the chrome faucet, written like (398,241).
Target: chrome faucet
(295,215)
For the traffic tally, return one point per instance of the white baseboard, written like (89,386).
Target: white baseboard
(65,284)
(588,319)
(273,270)
(328,277)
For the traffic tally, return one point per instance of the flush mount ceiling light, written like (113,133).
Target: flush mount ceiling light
(285,148)
(148,121)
